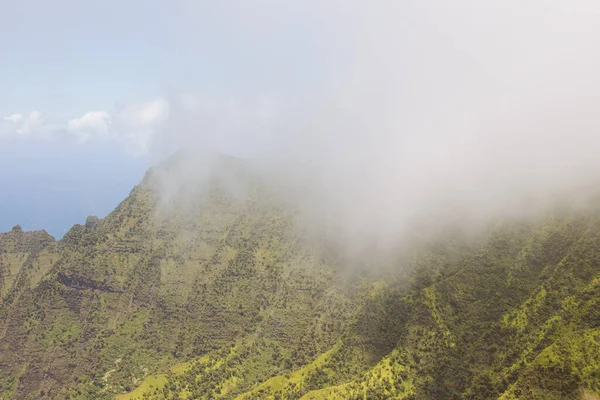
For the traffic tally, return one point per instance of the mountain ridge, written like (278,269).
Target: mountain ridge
(216,293)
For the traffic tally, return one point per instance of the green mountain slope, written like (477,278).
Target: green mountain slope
(514,318)
(20,260)
(221,295)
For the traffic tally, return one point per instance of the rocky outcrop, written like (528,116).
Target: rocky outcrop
(19,241)
(91,221)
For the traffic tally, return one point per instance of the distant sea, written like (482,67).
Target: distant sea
(54,185)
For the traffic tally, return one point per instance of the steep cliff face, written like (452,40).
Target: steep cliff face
(146,287)
(222,296)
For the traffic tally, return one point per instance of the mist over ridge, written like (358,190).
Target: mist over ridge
(426,111)
(346,200)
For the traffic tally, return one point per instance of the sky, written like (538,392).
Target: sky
(411,106)
(84,89)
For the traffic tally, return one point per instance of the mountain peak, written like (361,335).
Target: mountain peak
(91,221)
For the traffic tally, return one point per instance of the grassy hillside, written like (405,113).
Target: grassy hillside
(220,296)
(513,317)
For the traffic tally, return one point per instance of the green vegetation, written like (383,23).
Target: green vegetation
(224,299)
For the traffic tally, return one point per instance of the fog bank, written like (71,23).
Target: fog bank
(420,110)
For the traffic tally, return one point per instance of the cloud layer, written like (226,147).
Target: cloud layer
(32,124)
(90,124)
(133,126)
(429,111)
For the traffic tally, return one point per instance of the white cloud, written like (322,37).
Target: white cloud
(33,124)
(15,118)
(138,124)
(10,124)
(18,125)
(146,114)
(142,127)
(134,126)
(90,124)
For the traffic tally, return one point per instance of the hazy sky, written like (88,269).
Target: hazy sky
(398,103)
(84,89)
